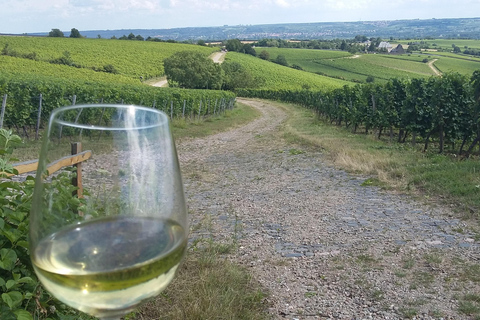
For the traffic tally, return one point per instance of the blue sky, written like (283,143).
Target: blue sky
(27,16)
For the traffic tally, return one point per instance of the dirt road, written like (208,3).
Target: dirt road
(434,69)
(323,244)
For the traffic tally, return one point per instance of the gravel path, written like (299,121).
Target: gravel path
(324,245)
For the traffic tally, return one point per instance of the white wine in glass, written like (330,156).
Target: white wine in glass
(116,237)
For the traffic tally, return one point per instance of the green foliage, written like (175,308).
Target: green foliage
(236,76)
(23,92)
(264,55)
(22,295)
(281,60)
(132,59)
(275,77)
(56,33)
(74,33)
(233,45)
(438,107)
(193,70)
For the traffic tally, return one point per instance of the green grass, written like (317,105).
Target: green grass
(297,56)
(133,59)
(275,76)
(396,166)
(19,66)
(446,64)
(238,116)
(447,43)
(208,286)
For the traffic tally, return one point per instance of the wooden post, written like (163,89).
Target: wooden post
(38,117)
(77,181)
(2,113)
(183,111)
(200,109)
(171,109)
(74,99)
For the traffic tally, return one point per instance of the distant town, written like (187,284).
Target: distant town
(468,28)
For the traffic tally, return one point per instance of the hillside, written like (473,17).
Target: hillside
(415,28)
(133,59)
(274,76)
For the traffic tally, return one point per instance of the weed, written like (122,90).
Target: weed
(424,278)
(408,262)
(294,151)
(408,312)
(433,259)
(400,274)
(471,273)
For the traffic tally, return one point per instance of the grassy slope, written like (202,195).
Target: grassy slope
(130,58)
(19,66)
(447,43)
(279,77)
(383,67)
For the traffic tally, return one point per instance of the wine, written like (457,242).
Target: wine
(105,267)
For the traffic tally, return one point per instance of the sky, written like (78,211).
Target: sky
(29,16)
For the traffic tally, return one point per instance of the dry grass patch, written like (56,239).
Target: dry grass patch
(208,286)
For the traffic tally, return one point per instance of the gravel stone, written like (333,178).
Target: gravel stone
(324,245)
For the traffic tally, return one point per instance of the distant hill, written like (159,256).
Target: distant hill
(399,29)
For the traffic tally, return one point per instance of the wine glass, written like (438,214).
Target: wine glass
(116,237)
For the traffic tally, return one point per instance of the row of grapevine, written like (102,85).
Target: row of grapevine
(444,110)
(132,59)
(23,94)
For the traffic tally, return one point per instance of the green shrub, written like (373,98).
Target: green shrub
(23,297)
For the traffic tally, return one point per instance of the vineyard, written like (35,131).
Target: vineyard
(22,94)
(439,110)
(271,75)
(133,59)
(342,65)
(92,71)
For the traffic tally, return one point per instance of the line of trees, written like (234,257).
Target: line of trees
(57,33)
(442,110)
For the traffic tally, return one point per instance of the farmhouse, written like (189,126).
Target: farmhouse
(385,46)
(398,50)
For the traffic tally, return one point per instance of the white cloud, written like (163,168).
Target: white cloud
(282,3)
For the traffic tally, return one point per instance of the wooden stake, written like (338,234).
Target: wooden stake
(77,182)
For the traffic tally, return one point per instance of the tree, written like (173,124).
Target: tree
(139,38)
(280,59)
(236,76)
(56,33)
(193,70)
(201,43)
(233,45)
(264,55)
(74,33)
(248,49)
(131,36)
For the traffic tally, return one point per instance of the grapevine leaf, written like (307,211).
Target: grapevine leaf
(12,299)
(23,315)
(10,283)
(8,258)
